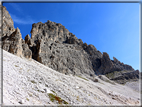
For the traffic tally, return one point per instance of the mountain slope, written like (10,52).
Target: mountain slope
(27,82)
(54,46)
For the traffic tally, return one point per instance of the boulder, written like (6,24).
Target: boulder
(13,43)
(12,39)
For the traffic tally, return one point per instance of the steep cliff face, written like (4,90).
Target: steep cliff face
(53,45)
(8,27)
(11,38)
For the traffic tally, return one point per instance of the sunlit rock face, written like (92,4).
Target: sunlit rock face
(53,45)
(12,39)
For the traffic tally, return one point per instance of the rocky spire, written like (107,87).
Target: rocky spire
(12,39)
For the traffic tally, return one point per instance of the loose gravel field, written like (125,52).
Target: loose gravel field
(27,82)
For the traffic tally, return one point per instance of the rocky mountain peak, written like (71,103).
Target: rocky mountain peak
(8,26)
(54,46)
(51,31)
(28,39)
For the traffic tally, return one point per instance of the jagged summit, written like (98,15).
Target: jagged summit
(52,31)
(53,45)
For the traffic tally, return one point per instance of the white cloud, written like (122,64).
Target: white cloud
(16,7)
(26,20)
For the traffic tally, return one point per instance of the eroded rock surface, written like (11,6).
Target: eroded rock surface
(12,39)
(8,27)
(53,45)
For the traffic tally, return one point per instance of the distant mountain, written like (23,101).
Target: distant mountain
(54,46)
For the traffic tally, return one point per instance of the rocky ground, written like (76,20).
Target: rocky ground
(134,85)
(28,82)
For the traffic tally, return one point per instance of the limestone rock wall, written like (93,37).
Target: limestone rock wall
(12,39)
(53,45)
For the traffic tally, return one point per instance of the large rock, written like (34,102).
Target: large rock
(54,46)
(12,39)
(8,27)
(12,43)
(27,53)
(106,64)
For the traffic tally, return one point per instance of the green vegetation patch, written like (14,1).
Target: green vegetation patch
(114,74)
(56,98)
(53,92)
(27,99)
(33,81)
(78,99)
(110,75)
(16,66)
(30,94)
(110,82)
(83,78)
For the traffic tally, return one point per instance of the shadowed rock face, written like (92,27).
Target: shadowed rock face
(53,45)
(125,77)
(108,66)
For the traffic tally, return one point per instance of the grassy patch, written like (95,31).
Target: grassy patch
(101,83)
(83,78)
(56,98)
(53,92)
(110,82)
(115,73)
(30,94)
(40,91)
(89,104)
(110,75)
(27,99)
(78,99)
(33,81)
(16,66)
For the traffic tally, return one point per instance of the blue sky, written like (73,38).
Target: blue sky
(110,27)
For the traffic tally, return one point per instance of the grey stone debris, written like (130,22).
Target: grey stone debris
(54,46)
(30,83)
